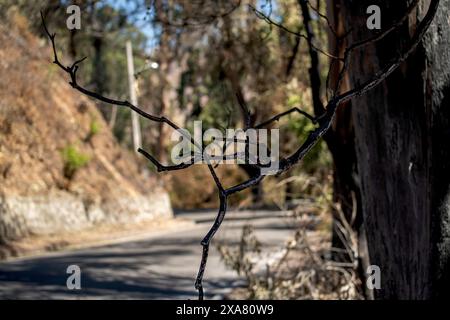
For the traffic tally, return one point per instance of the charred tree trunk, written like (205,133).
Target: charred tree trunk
(340,138)
(402,131)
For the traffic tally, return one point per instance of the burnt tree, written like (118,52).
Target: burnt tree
(340,136)
(402,131)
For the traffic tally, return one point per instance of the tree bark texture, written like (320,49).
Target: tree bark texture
(402,136)
(341,143)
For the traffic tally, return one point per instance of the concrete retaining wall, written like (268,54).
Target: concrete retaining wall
(61,211)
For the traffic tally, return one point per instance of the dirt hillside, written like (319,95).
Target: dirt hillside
(60,166)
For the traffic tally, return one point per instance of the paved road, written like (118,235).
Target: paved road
(158,267)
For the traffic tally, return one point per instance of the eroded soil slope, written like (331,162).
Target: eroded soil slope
(60,166)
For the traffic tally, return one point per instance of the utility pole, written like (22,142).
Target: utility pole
(136,128)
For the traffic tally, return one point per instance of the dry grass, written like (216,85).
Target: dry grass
(41,116)
(304,267)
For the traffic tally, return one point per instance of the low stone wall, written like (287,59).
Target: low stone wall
(59,212)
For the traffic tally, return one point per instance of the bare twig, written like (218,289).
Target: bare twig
(324,17)
(284,28)
(279,116)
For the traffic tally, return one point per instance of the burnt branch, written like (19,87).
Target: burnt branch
(160,167)
(377,37)
(72,72)
(387,71)
(285,113)
(324,120)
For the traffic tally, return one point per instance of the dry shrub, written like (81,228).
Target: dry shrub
(303,268)
(194,187)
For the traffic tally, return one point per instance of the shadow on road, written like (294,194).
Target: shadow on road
(160,267)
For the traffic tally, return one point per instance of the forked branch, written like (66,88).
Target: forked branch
(324,121)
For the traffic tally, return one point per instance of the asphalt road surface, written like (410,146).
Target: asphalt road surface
(162,266)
